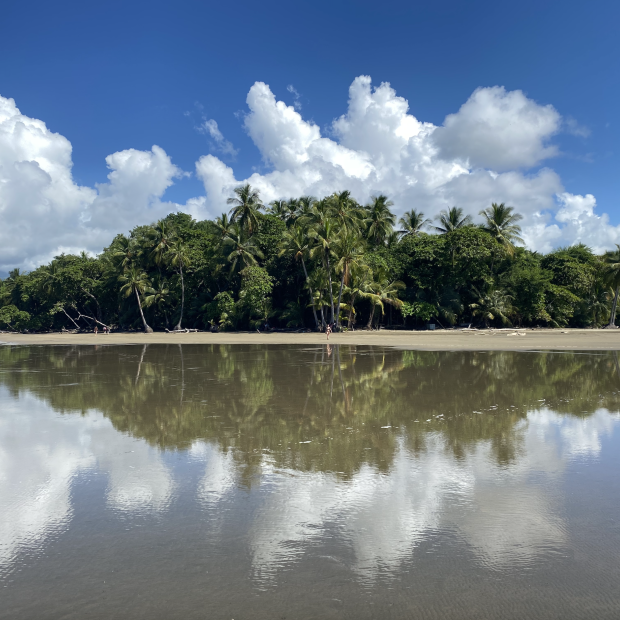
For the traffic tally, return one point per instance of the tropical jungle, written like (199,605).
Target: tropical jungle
(306,263)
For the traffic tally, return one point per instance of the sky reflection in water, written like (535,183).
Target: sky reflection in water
(276,466)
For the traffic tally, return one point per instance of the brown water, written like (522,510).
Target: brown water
(246,482)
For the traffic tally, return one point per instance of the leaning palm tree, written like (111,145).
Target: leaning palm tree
(452,220)
(412,223)
(296,243)
(246,207)
(178,255)
(612,276)
(500,222)
(242,252)
(379,219)
(158,297)
(136,281)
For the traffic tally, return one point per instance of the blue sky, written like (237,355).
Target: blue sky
(128,75)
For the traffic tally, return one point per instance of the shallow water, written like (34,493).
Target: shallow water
(246,482)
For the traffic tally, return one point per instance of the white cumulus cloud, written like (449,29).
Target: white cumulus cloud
(493,149)
(488,151)
(43,212)
(500,130)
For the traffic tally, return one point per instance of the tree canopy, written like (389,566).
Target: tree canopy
(304,262)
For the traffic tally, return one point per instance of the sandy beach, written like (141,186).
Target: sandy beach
(474,340)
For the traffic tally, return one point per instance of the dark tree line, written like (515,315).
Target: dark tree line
(305,262)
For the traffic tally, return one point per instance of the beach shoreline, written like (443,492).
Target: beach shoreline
(448,340)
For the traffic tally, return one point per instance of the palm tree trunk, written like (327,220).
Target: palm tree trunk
(96,303)
(331,292)
(351,312)
(614,306)
(339,298)
(147,329)
(316,320)
(372,316)
(182,295)
(322,317)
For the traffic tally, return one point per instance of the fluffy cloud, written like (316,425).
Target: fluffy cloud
(44,212)
(485,152)
(496,129)
(488,151)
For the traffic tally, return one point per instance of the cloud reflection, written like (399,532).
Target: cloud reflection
(411,449)
(42,453)
(505,514)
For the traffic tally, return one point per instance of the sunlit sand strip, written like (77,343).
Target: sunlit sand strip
(448,340)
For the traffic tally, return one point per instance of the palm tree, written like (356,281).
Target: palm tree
(279,208)
(243,251)
(315,214)
(501,223)
(350,250)
(296,243)
(360,286)
(49,277)
(162,238)
(304,205)
(136,281)
(320,300)
(158,296)
(380,219)
(246,207)
(384,291)
(612,275)
(178,255)
(451,220)
(492,305)
(412,223)
(325,236)
(345,210)
(292,206)
(598,302)
(224,225)
(125,250)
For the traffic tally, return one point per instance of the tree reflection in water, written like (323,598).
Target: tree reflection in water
(327,408)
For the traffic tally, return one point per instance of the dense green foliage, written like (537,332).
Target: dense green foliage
(306,262)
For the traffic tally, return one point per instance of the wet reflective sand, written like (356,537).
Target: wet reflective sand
(242,482)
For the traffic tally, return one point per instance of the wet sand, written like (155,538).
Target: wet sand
(449,340)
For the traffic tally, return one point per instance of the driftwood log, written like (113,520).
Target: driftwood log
(181,331)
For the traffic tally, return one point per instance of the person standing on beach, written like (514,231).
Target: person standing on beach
(328,331)
(96,330)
